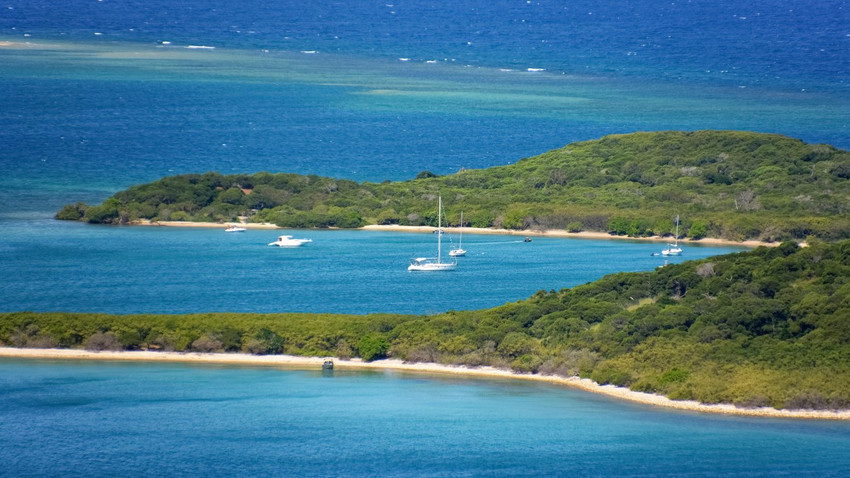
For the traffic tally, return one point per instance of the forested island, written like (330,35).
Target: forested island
(723,184)
(768,327)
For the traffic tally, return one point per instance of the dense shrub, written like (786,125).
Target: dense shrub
(765,327)
(729,184)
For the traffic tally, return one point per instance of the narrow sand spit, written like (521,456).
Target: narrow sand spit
(291,361)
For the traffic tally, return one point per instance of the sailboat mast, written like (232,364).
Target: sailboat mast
(460,242)
(677,230)
(439,227)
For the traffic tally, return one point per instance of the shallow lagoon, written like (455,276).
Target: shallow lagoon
(67,266)
(94,419)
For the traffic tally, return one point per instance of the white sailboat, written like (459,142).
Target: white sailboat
(460,251)
(673,249)
(425,264)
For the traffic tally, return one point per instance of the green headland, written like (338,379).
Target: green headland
(723,184)
(767,327)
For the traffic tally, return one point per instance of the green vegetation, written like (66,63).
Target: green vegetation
(726,184)
(767,327)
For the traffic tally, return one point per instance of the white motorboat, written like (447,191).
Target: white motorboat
(673,249)
(235,229)
(460,251)
(288,241)
(425,264)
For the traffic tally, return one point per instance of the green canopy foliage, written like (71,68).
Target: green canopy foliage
(770,327)
(726,184)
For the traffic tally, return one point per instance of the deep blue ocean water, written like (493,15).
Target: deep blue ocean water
(98,95)
(93,101)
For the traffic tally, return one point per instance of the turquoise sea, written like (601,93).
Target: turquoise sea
(184,270)
(98,95)
(118,419)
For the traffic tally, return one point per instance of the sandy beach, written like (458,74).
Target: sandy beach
(565,234)
(295,362)
(475,230)
(211,225)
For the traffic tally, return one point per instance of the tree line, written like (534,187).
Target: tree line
(724,184)
(768,327)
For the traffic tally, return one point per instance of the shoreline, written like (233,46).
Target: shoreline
(557,233)
(560,233)
(295,362)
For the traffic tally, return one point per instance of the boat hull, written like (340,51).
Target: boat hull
(432,267)
(289,241)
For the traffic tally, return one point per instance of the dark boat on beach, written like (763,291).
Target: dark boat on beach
(328,365)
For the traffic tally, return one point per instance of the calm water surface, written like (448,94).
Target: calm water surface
(94,419)
(94,100)
(80,267)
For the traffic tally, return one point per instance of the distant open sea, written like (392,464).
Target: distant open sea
(98,95)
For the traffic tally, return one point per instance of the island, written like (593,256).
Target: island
(730,185)
(763,328)
(766,329)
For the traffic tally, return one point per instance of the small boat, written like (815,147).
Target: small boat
(328,365)
(425,264)
(288,241)
(235,229)
(460,251)
(673,249)
(527,239)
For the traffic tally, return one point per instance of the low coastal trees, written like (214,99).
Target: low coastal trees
(102,341)
(721,183)
(373,347)
(769,326)
(207,343)
(72,212)
(264,342)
